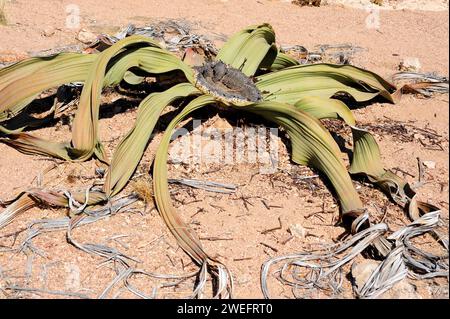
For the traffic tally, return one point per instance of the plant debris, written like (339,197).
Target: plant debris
(325,53)
(408,132)
(425,84)
(312,3)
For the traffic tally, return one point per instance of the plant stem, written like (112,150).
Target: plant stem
(2,12)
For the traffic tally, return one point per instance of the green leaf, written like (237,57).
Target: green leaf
(366,157)
(184,235)
(107,68)
(20,83)
(324,108)
(85,124)
(252,48)
(130,150)
(322,80)
(34,145)
(132,78)
(366,154)
(312,145)
(152,60)
(283,61)
(367,160)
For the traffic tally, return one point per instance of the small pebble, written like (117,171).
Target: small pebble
(429,164)
(48,32)
(86,36)
(409,64)
(298,231)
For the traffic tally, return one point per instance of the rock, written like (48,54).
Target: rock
(86,36)
(194,57)
(174,40)
(361,271)
(220,123)
(429,164)
(48,32)
(402,290)
(73,282)
(418,136)
(409,64)
(298,231)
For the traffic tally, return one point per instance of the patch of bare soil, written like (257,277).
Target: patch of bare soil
(423,5)
(256,222)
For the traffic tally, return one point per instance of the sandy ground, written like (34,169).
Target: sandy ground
(239,219)
(423,5)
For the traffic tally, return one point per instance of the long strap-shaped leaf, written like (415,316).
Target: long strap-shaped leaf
(366,157)
(34,145)
(132,147)
(367,161)
(312,145)
(283,61)
(118,60)
(322,108)
(90,69)
(21,82)
(85,125)
(331,164)
(150,59)
(252,48)
(184,235)
(323,80)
